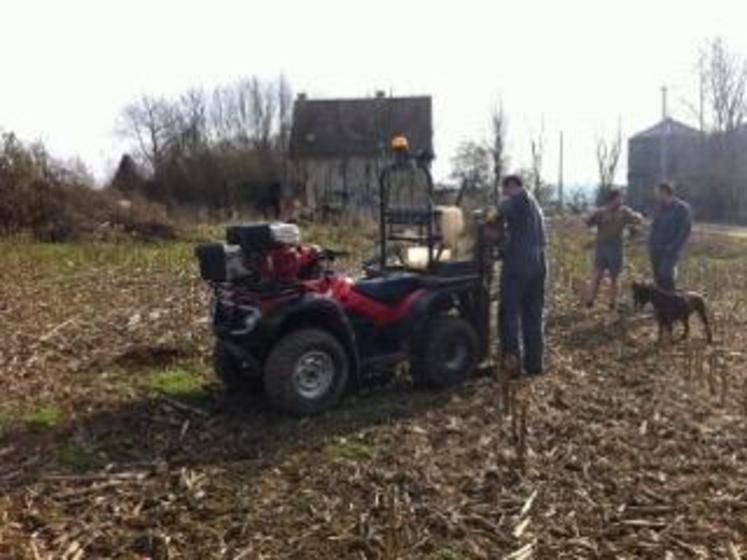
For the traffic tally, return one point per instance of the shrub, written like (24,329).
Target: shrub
(53,201)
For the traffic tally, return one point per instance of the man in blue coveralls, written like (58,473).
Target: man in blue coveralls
(670,230)
(522,294)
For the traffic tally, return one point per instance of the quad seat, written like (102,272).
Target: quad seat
(389,289)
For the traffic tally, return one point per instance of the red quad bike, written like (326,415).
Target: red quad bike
(285,322)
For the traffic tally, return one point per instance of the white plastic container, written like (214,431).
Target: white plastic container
(288,234)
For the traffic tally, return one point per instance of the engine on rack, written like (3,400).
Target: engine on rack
(260,254)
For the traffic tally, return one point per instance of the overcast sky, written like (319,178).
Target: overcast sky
(68,67)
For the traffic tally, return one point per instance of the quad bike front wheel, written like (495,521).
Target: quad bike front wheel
(306,372)
(445,354)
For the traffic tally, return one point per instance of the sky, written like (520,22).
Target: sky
(68,68)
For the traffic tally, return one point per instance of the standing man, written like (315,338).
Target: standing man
(669,233)
(610,221)
(522,294)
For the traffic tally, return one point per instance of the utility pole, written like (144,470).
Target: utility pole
(560,176)
(701,100)
(664,137)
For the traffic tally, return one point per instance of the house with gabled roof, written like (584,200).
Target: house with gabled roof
(338,146)
(670,150)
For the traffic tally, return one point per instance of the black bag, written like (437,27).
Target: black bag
(252,238)
(212,258)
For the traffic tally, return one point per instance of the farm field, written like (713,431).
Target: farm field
(116,441)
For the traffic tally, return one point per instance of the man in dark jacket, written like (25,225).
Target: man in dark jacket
(522,295)
(669,233)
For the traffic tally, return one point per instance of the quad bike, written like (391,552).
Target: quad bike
(289,324)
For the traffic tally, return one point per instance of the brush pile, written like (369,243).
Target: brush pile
(54,201)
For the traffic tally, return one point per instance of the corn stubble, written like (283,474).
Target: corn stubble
(622,451)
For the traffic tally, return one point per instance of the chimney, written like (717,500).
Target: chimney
(380,94)
(301,96)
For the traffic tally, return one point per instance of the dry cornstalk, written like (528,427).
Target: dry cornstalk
(522,553)
(528,504)
(724,385)
(522,443)
(392,544)
(700,363)
(712,361)
(689,363)
(507,372)
(514,400)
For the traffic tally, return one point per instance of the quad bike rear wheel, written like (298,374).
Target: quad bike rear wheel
(306,372)
(237,376)
(446,354)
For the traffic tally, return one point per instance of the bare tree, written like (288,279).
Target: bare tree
(542,192)
(219,114)
(263,112)
(284,104)
(498,129)
(579,202)
(608,158)
(189,122)
(471,166)
(147,122)
(724,76)
(200,143)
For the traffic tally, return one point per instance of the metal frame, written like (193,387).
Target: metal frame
(479,279)
(422,219)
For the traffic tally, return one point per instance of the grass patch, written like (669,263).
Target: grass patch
(176,381)
(67,263)
(356,450)
(119,447)
(79,458)
(44,417)
(96,454)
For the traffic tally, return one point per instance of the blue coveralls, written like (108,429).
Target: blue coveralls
(669,233)
(523,281)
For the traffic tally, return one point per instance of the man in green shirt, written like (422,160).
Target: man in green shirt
(610,221)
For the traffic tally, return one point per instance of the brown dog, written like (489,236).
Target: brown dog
(670,307)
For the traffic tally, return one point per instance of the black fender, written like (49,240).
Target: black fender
(426,305)
(459,295)
(314,310)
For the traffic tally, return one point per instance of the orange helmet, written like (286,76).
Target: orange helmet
(400,144)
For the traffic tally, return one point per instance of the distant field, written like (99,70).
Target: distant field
(732,231)
(115,440)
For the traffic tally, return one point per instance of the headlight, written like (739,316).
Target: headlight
(250,321)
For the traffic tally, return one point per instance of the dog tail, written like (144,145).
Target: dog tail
(700,307)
